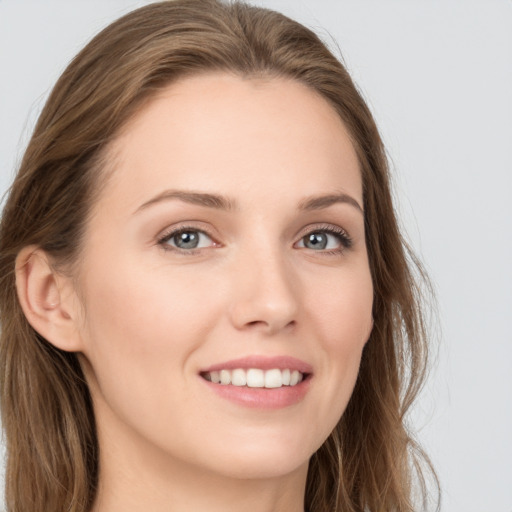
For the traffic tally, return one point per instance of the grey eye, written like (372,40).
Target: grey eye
(188,239)
(324,240)
(317,240)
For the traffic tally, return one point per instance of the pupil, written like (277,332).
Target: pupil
(316,241)
(186,240)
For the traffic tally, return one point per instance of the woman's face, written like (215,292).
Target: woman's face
(228,243)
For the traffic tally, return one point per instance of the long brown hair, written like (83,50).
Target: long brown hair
(369,460)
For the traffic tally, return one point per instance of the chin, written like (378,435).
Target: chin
(266,458)
(262,469)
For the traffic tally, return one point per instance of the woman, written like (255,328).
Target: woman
(206,301)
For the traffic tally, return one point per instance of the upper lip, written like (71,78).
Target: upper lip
(263,363)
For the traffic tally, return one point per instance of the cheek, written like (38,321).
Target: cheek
(141,326)
(343,317)
(144,310)
(142,329)
(343,311)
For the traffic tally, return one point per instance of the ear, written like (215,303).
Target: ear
(48,299)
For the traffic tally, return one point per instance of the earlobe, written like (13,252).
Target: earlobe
(47,299)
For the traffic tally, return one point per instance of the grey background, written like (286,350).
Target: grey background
(438,77)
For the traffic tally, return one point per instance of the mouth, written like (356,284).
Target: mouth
(256,377)
(260,382)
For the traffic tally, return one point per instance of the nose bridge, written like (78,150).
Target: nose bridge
(264,293)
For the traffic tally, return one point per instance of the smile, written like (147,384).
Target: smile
(255,377)
(260,382)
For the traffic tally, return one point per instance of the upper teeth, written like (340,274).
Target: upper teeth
(255,377)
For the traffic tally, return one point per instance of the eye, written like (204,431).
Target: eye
(186,239)
(331,239)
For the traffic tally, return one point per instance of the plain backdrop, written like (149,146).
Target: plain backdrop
(437,75)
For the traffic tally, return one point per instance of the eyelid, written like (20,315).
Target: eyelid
(173,230)
(344,238)
(332,229)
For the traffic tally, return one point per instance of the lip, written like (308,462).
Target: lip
(262,362)
(261,398)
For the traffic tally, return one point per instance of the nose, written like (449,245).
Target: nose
(264,295)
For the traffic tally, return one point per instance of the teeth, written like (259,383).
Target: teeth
(239,378)
(294,378)
(255,377)
(225,377)
(273,379)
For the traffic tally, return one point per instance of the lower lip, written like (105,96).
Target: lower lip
(261,398)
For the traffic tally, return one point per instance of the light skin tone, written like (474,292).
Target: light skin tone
(231,226)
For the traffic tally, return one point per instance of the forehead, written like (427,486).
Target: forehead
(227,134)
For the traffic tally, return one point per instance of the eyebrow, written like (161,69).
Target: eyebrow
(198,198)
(220,202)
(324,201)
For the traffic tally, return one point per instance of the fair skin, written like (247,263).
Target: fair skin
(174,284)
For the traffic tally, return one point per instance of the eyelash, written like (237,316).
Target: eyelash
(341,235)
(166,237)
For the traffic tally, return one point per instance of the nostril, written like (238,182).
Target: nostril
(256,323)
(269,325)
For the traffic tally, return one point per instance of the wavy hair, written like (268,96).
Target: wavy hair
(370,461)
